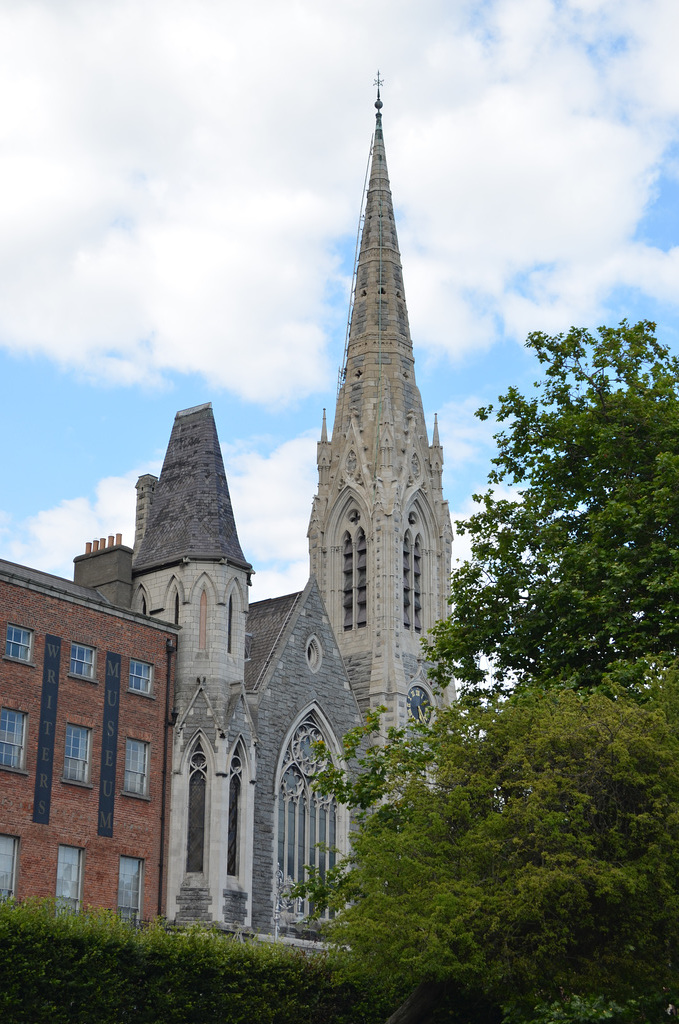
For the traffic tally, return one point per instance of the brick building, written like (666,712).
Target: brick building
(85,692)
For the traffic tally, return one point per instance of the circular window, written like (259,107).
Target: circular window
(314,653)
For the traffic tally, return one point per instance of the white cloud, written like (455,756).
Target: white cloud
(176,175)
(52,538)
(465,438)
(271,495)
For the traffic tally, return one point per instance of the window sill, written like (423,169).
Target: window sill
(18,661)
(140,693)
(76,782)
(82,679)
(135,796)
(14,771)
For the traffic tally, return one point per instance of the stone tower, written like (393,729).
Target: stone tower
(189,569)
(380,534)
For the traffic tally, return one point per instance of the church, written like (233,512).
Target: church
(255,685)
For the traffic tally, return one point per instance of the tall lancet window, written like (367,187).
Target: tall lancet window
(348,581)
(417,585)
(235,794)
(354,580)
(202,629)
(305,818)
(229,626)
(195,840)
(412,583)
(407,574)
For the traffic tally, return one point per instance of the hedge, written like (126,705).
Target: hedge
(92,968)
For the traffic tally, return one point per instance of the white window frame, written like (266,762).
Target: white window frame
(9,849)
(140,677)
(77,768)
(12,743)
(22,644)
(130,888)
(69,878)
(79,657)
(136,767)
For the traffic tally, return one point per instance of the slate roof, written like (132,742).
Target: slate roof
(45,579)
(265,623)
(191,515)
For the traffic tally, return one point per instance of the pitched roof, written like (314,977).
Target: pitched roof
(265,624)
(191,515)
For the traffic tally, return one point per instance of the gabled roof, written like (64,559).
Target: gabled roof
(266,623)
(191,515)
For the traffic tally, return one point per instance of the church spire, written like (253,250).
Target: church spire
(379,320)
(379,535)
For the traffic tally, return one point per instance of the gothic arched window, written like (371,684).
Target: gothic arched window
(354,580)
(195,840)
(202,625)
(229,625)
(235,794)
(412,583)
(305,818)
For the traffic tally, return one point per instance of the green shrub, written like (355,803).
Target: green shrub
(92,968)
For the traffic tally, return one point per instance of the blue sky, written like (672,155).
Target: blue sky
(181,189)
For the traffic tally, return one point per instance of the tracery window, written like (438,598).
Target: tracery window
(412,583)
(195,840)
(233,835)
(305,818)
(354,570)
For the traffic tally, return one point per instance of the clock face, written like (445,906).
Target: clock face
(419,704)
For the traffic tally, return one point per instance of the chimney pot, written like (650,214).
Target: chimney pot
(95,545)
(88,547)
(119,539)
(110,540)
(102,543)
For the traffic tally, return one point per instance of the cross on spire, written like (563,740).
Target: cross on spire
(378,82)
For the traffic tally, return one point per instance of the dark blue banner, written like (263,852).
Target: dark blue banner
(48,723)
(109,745)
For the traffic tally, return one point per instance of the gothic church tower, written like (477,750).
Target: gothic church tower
(188,568)
(380,534)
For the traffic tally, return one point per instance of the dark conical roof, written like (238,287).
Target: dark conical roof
(191,515)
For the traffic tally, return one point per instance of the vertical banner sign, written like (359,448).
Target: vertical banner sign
(109,745)
(48,722)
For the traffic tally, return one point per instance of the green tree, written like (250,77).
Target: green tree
(582,571)
(518,850)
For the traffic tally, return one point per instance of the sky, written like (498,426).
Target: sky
(180,188)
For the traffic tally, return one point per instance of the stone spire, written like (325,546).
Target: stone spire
(380,534)
(379,344)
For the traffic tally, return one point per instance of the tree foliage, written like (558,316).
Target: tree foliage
(520,849)
(582,572)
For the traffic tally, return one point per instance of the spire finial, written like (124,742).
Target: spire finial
(378,102)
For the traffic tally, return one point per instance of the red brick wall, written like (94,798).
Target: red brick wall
(74,808)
